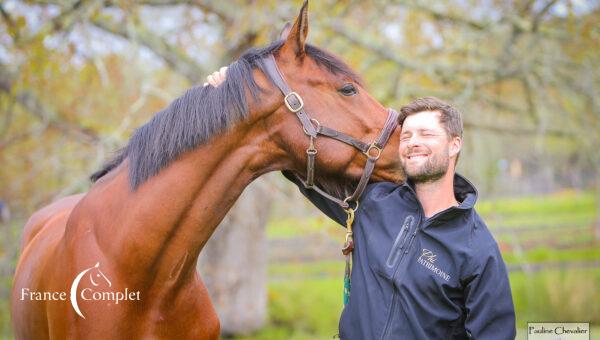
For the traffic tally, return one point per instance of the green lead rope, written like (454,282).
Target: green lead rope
(347,282)
(347,251)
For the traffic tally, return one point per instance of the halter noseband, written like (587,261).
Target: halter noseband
(294,103)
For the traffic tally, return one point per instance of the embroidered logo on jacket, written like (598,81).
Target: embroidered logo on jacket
(427,260)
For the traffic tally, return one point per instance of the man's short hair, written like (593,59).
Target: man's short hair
(450,117)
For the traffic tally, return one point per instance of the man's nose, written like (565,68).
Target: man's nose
(413,141)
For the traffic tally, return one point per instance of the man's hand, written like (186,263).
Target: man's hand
(217,78)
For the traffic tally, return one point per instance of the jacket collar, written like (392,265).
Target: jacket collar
(464,191)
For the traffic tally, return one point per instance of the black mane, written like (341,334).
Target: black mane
(201,113)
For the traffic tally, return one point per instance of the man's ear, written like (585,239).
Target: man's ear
(455,146)
(296,37)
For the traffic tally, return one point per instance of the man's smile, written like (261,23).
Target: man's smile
(417,156)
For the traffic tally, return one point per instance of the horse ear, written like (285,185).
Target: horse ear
(296,37)
(285,31)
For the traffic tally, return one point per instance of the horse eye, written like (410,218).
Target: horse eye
(348,90)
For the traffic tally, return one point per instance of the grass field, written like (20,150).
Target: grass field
(309,308)
(566,208)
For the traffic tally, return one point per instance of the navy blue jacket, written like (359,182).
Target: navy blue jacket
(422,278)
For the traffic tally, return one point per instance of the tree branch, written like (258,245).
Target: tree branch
(386,53)
(460,19)
(32,104)
(177,60)
(539,15)
(512,130)
(205,6)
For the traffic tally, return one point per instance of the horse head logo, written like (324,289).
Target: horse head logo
(96,277)
(99,275)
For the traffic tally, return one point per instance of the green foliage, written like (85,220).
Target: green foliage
(299,270)
(570,208)
(552,255)
(566,295)
(561,203)
(309,309)
(290,227)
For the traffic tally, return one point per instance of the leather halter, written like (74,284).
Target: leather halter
(372,151)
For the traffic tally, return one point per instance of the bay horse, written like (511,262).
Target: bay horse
(152,208)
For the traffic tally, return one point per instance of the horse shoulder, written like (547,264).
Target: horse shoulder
(40,218)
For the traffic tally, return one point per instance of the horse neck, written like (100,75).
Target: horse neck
(164,223)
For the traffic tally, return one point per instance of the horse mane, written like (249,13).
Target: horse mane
(202,112)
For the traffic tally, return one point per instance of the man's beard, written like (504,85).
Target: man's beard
(434,168)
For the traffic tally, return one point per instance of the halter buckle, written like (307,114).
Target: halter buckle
(375,147)
(293,101)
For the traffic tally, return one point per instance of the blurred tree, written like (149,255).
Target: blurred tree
(234,263)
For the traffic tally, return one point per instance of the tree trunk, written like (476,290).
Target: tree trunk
(233,264)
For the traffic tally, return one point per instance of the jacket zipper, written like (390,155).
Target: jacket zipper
(389,318)
(386,328)
(401,240)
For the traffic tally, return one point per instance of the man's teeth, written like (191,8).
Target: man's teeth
(416,156)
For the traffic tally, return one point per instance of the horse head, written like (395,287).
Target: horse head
(331,98)
(334,99)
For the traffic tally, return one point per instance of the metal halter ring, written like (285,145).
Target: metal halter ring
(373,146)
(291,105)
(350,208)
(318,125)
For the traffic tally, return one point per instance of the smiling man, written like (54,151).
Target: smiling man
(425,264)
